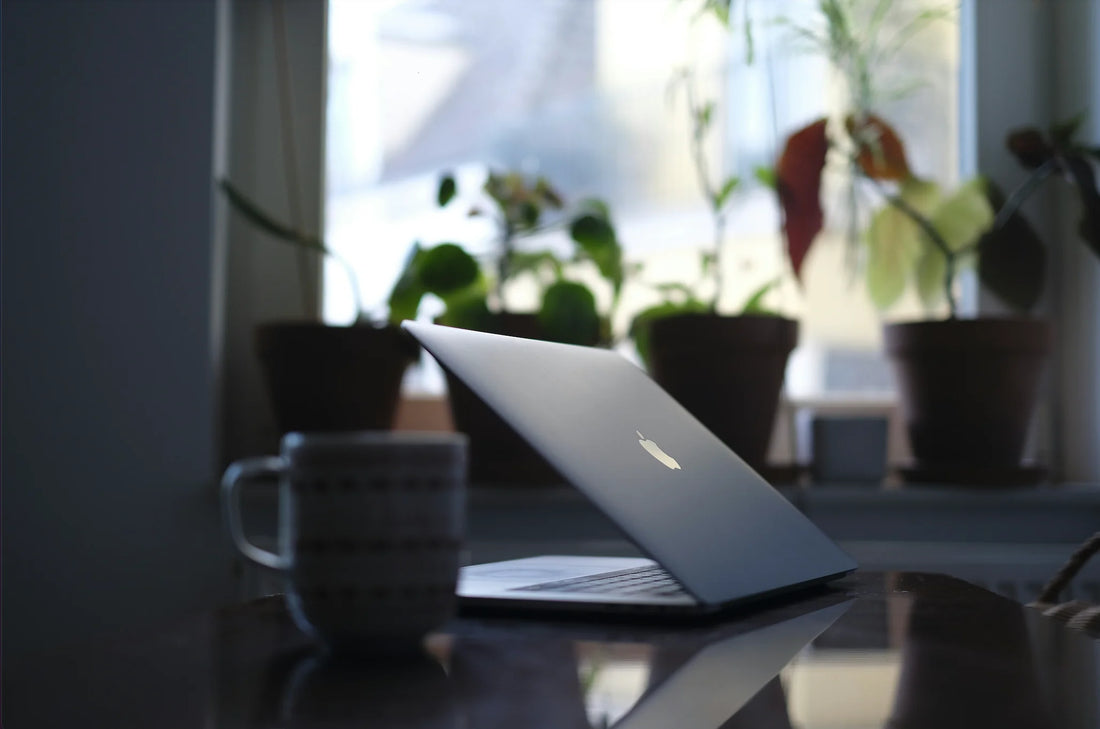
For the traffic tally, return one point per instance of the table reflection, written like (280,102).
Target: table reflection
(901,652)
(979,670)
(905,652)
(490,678)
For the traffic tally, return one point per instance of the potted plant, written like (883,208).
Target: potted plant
(520,207)
(323,377)
(853,39)
(727,369)
(967,387)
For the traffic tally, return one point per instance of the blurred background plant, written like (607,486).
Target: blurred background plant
(1012,261)
(475,293)
(919,228)
(706,116)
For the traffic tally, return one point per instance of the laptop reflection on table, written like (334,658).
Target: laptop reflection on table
(722,677)
(530,675)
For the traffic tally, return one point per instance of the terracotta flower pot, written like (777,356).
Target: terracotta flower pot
(967,388)
(333,378)
(727,371)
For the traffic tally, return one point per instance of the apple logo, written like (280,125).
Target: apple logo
(655,450)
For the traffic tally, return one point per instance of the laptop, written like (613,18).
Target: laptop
(715,535)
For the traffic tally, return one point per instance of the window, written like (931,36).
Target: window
(578,90)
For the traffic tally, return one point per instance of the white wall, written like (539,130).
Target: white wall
(1076,87)
(109,518)
(1036,63)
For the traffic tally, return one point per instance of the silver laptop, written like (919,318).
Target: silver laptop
(715,534)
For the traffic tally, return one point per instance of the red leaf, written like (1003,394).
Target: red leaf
(798,181)
(881,153)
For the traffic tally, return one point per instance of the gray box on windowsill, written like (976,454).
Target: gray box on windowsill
(848,449)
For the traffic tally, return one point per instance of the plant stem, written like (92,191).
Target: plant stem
(698,154)
(504,263)
(1022,192)
(702,172)
(854,173)
(293,236)
(719,236)
(934,235)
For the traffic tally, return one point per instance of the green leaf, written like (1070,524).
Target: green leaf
(596,207)
(669,288)
(703,115)
(528,213)
(707,262)
(766,176)
(755,303)
(723,194)
(963,216)
(923,195)
(447,189)
(446,268)
(895,243)
(533,261)
(469,309)
(592,233)
(569,314)
(720,9)
(595,237)
(549,195)
(404,300)
(893,248)
(961,219)
(930,272)
(497,187)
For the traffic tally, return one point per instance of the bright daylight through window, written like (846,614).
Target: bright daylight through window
(581,92)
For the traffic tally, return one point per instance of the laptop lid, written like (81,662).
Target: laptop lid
(672,487)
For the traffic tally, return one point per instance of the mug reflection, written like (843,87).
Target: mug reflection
(322,690)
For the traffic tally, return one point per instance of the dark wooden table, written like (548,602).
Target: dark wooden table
(875,650)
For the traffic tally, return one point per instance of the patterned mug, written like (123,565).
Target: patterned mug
(370,532)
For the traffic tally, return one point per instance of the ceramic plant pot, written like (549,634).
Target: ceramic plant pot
(968,388)
(727,371)
(333,378)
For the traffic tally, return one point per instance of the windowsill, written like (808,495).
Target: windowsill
(431,412)
(1046,514)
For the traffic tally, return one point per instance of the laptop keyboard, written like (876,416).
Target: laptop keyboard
(649,580)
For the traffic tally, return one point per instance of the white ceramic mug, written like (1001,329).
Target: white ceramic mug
(370,532)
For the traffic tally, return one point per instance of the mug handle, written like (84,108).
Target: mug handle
(249,468)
